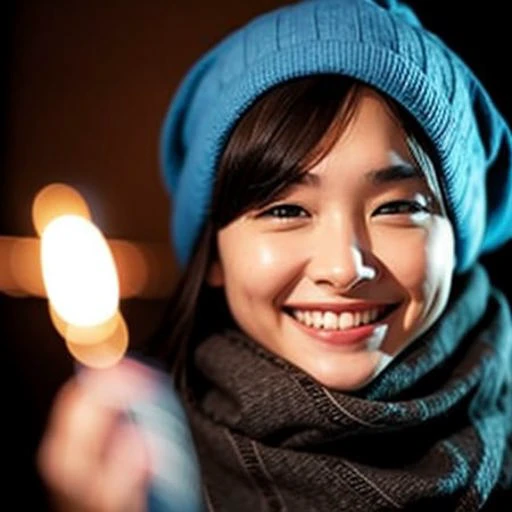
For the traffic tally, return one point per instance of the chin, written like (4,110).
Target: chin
(347,377)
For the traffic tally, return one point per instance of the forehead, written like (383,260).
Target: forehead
(393,173)
(372,137)
(373,124)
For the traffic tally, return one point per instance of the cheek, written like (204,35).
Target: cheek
(440,251)
(258,266)
(405,259)
(421,260)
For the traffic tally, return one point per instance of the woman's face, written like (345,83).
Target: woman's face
(347,267)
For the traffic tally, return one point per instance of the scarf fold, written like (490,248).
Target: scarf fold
(433,430)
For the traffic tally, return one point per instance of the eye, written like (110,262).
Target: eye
(285,211)
(400,208)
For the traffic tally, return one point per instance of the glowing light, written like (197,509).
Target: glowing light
(79,271)
(80,278)
(55,200)
(133,267)
(85,335)
(20,273)
(104,354)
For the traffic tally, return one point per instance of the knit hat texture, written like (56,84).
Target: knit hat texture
(380,43)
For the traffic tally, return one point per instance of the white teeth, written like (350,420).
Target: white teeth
(346,320)
(318,319)
(332,321)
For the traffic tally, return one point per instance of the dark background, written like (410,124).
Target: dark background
(86,85)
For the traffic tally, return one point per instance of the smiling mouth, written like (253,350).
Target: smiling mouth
(344,321)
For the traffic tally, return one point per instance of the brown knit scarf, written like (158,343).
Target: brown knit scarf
(430,433)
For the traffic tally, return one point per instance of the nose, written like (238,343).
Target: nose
(339,260)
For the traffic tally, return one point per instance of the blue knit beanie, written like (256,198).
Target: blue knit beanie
(381,43)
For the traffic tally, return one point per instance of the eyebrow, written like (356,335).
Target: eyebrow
(393,173)
(388,174)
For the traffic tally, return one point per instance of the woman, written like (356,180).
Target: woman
(336,173)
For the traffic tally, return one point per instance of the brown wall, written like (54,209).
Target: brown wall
(88,83)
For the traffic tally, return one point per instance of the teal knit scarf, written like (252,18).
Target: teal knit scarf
(432,432)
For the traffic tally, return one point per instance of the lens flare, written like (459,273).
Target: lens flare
(79,272)
(79,277)
(88,335)
(105,354)
(55,200)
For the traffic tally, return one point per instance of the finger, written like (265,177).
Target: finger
(76,438)
(126,471)
(120,385)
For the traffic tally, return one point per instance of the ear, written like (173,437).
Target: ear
(215,274)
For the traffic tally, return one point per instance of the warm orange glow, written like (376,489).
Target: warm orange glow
(59,324)
(145,270)
(104,354)
(20,273)
(132,267)
(80,278)
(79,271)
(88,335)
(55,200)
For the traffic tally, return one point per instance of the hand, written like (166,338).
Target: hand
(92,458)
